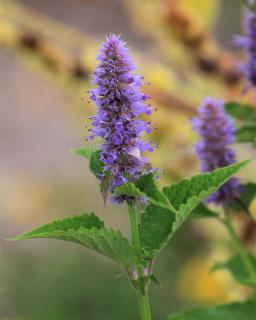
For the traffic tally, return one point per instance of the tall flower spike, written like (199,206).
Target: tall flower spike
(119,103)
(248,43)
(217,132)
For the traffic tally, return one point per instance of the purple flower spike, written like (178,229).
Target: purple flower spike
(119,103)
(248,43)
(217,132)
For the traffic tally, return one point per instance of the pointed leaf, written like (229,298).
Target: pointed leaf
(84,152)
(159,224)
(88,231)
(201,185)
(71,223)
(188,194)
(233,311)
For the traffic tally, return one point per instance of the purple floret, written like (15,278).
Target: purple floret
(119,103)
(217,132)
(248,43)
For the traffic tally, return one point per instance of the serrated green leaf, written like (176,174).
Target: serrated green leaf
(233,311)
(201,211)
(236,267)
(246,134)
(188,194)
(158,224)
(201,185)
(239,111)
(88,230)
(154,229)
(86,152)
(71,223)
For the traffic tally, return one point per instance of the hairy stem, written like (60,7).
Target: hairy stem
(142,290)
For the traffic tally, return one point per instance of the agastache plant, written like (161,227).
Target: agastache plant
(123,172)
(119,103)
(248,43)
(217,133)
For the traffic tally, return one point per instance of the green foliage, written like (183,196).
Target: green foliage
(158,225)
(236,267)
(248,194)
(129,189)
(201,211)
(145,187)
(83,152)
(76,222)
(244,200)
(187,194)
(233,311)
(88,231)
(246,133)
(239,111)
(247,115)
(95,165)
(155,226)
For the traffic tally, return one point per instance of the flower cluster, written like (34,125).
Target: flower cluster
(217,132)
(248,43)
(119,103)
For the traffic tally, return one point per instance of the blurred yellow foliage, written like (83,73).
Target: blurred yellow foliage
(197,283)
(202,11)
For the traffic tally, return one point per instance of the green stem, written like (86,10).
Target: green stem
(144,306)
(240,248)
(142,292)
(134,230)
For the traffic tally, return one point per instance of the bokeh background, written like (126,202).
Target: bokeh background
(47,53)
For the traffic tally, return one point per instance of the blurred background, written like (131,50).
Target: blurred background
(47,54)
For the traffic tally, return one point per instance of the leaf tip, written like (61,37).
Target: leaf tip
(14,238)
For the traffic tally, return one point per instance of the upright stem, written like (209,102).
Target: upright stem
(240,248)
(144,306)
(142,293)
(134,230)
